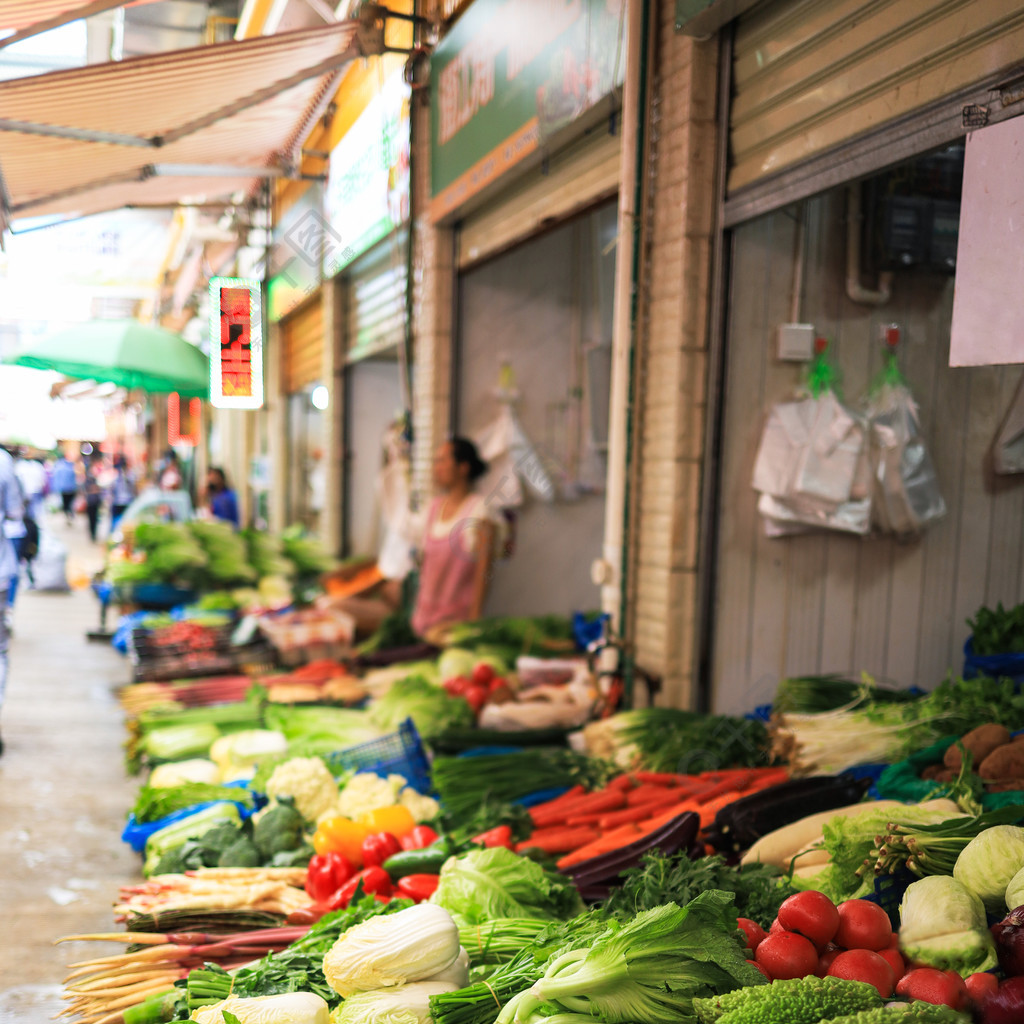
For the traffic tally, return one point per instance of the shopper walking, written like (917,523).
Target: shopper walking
(221,499)
(93,497)
(65,483)
(32,476)
(11,510)
(122,490)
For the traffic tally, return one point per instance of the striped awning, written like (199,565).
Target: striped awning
(189,125)
(30,17)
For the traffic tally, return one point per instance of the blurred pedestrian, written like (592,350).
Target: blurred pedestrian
(93,496)
(170,472)
(221,499)
(11,509)
(32,476)
(122,490)
(65,483)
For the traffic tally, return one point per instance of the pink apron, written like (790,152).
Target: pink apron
(447,574)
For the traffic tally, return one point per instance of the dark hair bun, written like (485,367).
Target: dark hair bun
(465,454)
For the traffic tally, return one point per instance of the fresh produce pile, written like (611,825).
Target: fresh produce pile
(245,569)
(666,867)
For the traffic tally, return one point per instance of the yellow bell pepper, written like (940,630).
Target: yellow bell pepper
(396,819)
(338,834)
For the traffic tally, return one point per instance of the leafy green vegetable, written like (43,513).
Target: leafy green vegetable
(671,740)
(491,883)
(319,730)
(524,634)
(758,889)
(431,708)
(810,694)
(467,783)
(997,631)
(395,631)
(650,969)
(156,802)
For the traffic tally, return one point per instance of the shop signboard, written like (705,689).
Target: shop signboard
(508,78)
(296,254)
(236,343)
(183,421)
(367,194)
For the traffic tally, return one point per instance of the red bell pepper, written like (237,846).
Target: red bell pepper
(326,873)
(373,880)
(499,836)
(378,847)
(421,837)
(418,887)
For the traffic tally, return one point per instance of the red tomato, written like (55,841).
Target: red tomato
(421,837)
(958,982)
(482,674)
(825,960)
(754,932)
(894,958)
(862,925)
(787,955)
(930,985)
(775,927)
(810,914)
(864,965)
(980,985)
(417,887)
(754,963)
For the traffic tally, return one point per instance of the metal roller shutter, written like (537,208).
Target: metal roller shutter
(375,320)
(304,345)
(579,177)
(816,81)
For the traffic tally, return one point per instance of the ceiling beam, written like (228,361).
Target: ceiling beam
(60,131)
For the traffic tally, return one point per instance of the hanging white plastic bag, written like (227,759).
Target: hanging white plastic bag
(907,496)
(1008,450)
(812,469)
(512,462)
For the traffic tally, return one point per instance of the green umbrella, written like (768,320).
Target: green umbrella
(123,352)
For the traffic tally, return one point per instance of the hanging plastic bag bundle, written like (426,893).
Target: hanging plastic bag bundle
(906,490)
(812,468)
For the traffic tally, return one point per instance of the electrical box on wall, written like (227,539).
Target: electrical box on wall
(912,214)
(796,342)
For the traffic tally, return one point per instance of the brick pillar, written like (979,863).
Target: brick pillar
(672,340)
(433,284)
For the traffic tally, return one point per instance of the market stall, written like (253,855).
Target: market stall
(481,835)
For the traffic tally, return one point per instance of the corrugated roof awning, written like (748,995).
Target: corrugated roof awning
(30,17)
(205,122)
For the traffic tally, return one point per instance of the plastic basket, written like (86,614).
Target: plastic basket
(888,894)
(135,835)
(397,753)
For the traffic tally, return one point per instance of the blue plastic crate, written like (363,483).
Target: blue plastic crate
(397,753)
(135,835)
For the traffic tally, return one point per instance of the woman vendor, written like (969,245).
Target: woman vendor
(457,545)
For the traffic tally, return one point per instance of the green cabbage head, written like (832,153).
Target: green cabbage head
(942,924)
(988,862)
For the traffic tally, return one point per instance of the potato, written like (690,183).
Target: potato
(980,742)
(932,771)
(1005,786)
(1005,762)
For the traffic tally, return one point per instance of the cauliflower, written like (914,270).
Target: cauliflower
(310,784)
(368,792)
(422,808)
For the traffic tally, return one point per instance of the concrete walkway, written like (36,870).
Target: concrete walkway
(64,793)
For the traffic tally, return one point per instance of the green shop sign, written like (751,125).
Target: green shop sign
(509,76)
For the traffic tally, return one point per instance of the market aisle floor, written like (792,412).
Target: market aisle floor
(63,790)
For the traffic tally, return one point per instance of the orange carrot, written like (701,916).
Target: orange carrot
(663,778)
(734,785)
(625,781)
(592,803)
(628,814)
(621,836)
(560,840)
(567,797)
(649,825)
(655,795)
